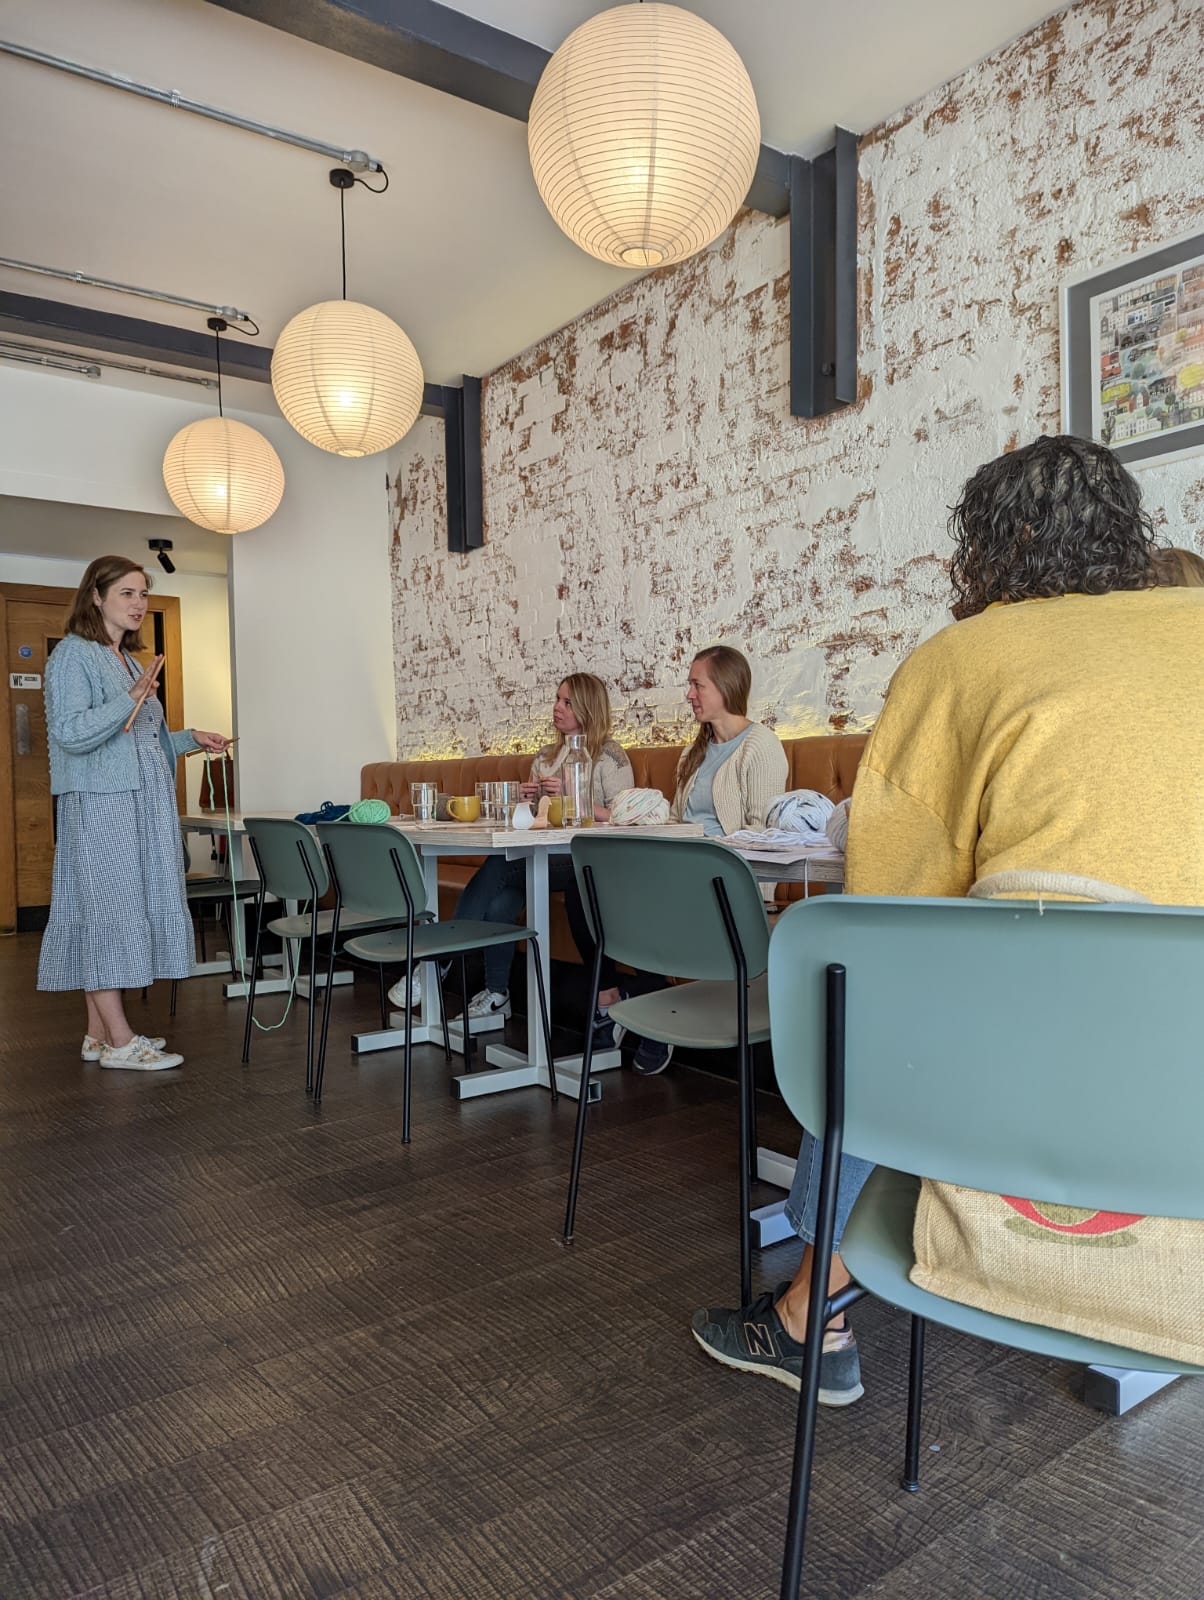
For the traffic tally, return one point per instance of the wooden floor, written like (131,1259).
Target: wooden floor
(250,1349)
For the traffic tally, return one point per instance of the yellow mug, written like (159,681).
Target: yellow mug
(555,812)
(464,807)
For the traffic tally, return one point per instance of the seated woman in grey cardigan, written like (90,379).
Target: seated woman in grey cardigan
(725,779)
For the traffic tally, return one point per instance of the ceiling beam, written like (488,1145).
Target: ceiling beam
(446,50)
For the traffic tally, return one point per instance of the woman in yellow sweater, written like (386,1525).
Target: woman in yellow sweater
(1023,736)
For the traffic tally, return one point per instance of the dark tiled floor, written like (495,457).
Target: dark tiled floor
(251,1349)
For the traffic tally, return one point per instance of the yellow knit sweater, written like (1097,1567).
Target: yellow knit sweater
(1065,735)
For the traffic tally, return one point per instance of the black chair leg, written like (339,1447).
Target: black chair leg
(915,1390)
(320,1069)
(254,978)
(747,1160)
(436,976)
(175,989)
(313,998)
(201,930)
(587,1060)
(546,1025)
(468,1043)
(407,1074)
(384,997)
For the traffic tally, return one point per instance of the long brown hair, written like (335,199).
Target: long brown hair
(591,707)
(85,618)
(1179,569)
(732,676)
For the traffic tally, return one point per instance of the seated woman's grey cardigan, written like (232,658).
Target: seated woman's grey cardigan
(86,710)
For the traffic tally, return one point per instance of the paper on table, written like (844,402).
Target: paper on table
(776,844)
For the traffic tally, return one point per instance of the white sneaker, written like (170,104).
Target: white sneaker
(140,1055)
(397,994)
(489,1003)
(93,1049)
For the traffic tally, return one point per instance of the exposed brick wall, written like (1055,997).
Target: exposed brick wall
(648,492)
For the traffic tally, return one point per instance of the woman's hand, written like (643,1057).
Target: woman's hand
(148,682)
(552,785)
(529,790)
(216,743)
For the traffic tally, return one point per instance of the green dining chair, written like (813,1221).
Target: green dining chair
(1044,1050)
(692,908)
(376,873)
(291,867)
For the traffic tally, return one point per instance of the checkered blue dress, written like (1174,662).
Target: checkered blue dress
(118,912)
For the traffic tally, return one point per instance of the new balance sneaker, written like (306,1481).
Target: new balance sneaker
(489,1003)
(140,1055)
(752,1339)
(397,994)
(93,1048)
(651,1056)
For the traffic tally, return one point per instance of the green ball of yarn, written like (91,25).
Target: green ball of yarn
(369,811)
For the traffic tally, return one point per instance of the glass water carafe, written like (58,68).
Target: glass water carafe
(577,806)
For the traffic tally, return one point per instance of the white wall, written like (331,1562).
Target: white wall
(204,639)
(312,690)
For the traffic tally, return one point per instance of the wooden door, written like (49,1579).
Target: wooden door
(32,620)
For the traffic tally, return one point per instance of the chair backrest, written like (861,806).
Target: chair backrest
(1051,1052)
(282,847)
(659,906)
(362,857)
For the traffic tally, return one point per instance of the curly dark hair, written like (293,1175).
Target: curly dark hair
(1060,516)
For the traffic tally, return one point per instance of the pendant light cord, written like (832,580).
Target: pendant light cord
(217,356)
(343,236)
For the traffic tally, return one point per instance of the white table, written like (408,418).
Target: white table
(510,1068)
(215,823)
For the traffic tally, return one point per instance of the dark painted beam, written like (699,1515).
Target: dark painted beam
(446,50)
(823,279)
(132,337)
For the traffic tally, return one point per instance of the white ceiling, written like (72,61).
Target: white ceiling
(81,533)
(460,251)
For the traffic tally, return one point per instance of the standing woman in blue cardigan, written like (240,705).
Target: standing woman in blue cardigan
(118,914)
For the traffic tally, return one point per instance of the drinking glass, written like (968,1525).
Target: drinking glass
(484,797)
(423,799)
(506,797)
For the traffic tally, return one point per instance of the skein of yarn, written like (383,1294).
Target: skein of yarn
(800,811)
(633,808)
(838,825)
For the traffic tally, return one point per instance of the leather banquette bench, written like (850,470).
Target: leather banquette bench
(825,762)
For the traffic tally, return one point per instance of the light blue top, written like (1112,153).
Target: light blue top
(700,807)
(87,706)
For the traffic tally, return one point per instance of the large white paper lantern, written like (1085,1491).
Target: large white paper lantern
(644,135)
(347,378)
(223,475)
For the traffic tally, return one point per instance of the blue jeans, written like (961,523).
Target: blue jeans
(802,1203)
(497,892)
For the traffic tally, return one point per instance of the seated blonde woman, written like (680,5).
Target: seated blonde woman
(725,779)
(496,892)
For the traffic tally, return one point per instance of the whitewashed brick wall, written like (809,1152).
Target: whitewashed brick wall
(647,491)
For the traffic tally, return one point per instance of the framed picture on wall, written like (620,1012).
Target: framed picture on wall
(1133,355)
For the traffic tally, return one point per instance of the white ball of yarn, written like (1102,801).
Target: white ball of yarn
(800,811)
(838,825)
(634,808)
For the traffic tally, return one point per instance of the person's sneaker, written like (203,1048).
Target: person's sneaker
(140,1055)
(752,1339)
(397,994)
(651,1056)
(604,1031)
(93,1048)
(489,1003)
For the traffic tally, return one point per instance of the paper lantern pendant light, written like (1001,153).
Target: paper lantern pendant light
(345,375)
(223,475)
(347,378)
(219,473)
(644,135)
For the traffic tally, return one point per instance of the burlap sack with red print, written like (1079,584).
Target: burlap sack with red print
(1133,1281)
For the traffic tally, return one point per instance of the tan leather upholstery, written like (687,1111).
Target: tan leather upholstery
(825,762)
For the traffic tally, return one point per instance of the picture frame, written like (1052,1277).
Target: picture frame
(1133,354)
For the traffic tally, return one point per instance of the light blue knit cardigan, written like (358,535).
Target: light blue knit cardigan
(85,714)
